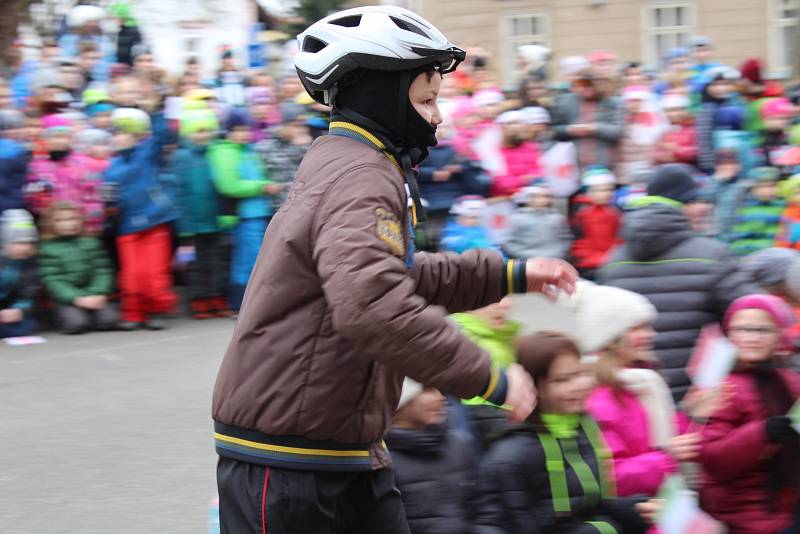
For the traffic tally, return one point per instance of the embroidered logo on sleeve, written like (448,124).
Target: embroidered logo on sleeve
(390,231)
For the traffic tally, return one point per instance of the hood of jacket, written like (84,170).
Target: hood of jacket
(428,440)
(480,328)
(654,228)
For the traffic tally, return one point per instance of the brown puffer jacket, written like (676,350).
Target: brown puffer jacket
(333,319)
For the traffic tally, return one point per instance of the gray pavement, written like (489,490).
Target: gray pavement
(110,433)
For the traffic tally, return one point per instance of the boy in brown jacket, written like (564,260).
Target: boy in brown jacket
(338,308)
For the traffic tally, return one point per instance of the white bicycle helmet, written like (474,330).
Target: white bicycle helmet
(373,37)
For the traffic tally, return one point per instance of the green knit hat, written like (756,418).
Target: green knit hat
(196,120)
(131,120)
(122,10)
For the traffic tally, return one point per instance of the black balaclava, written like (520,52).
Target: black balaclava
(379,102)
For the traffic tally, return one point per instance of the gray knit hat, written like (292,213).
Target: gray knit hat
(16,226)
(793,279)
(770,266)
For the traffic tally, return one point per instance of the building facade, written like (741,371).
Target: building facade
(637,30)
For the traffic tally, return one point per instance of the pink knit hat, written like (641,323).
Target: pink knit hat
(777,107)
(780,312)
(56,121)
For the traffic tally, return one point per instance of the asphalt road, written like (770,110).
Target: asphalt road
(110,433)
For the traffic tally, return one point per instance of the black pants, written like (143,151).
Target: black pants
(207,275)
(254,499)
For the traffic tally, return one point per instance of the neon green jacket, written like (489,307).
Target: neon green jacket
(498,343)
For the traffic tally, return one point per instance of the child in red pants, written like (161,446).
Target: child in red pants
(145,211)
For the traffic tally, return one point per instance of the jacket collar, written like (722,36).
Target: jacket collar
(354,131)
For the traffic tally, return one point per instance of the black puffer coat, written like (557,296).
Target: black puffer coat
(516,495)
(436,471)
(690,280)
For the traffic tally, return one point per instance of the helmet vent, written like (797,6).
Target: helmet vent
(313,45)
(407,26)
(348,22)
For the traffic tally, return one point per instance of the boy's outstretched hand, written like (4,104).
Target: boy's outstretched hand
(550,277)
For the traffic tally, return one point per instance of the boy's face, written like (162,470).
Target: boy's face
(102,120)
(541,200)
(720,89)
(765,191)
(59,141)
(203,137)
(100,151)
(19,251)
(145,63)
(67,223)
(71,76)
(727,171)
(127,92)
(241,135)
(469,220)
(50,53)
(535,131)
(88,60)
(426,409)
(702,54)
(423,94)
(676,115)
(679,64)
(601,195)
(634,76)
(123,141)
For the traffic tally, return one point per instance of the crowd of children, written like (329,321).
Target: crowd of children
(123,189)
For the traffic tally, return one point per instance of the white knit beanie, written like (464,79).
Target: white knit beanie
(605,313)
(411,389)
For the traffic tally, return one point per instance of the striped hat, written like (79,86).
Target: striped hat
(598,176)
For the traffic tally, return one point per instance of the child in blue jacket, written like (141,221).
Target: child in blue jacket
(146,210)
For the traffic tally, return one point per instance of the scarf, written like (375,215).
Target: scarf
(651,390)
(562,426)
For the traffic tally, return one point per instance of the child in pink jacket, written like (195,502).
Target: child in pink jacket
(519,155)
(632,404)
(62,175)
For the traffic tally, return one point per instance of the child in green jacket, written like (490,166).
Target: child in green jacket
(490,329)
(242,182)
(758,218)
(76,272)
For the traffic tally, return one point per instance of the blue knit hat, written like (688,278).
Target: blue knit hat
(238,117)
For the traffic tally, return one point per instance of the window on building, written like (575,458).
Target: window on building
(666,25)
(520,30)
(784,15)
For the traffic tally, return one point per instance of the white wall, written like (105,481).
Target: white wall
(168,25)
